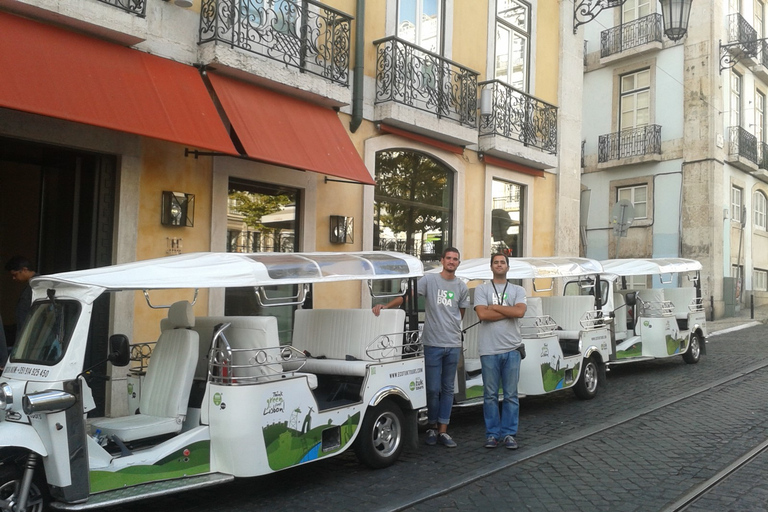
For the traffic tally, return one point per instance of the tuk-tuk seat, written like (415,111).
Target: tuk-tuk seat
(682,299)
(567,312)
(619,317)
(167,384)
(650,302)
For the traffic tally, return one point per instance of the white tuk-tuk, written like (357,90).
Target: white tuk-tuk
(221,397)
(566,342)
(656,322)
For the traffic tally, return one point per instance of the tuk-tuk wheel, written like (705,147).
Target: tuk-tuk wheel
(693,354)
(10,481)
(586,386)
(381,436)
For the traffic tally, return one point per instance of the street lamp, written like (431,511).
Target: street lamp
(675,14)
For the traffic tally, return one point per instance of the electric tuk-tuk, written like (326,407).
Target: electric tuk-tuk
(566,341)
(221,397)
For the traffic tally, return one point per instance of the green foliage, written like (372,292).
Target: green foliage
(255,206)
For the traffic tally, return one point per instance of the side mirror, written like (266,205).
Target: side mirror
(119,350)
(630,298)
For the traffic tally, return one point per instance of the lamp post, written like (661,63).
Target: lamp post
(675,14)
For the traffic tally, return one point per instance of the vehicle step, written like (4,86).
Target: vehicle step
(631,360)
(150,490)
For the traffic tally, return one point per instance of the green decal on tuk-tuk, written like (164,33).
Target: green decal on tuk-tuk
(557,378)
(295,441)
(636,350)
(674,345)
(474,392)
(192,460)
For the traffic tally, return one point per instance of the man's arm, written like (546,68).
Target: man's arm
(394,303)
(516,311)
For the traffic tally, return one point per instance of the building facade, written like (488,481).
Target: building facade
(135,129)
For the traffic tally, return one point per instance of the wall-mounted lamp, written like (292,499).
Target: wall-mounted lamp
(182,3)
(178,209)
(486,101)
(342,229)
(674,13)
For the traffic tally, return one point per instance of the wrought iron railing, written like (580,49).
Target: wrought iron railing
(304,34)
(741,143)
(424,80)
(519,116)
(740,31)
(137,7)
(645,140)
(762,148)
(764,53)
(631,35)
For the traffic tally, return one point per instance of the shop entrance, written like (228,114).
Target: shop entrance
(56,210)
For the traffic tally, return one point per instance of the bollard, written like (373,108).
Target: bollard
(711,308)
(752,307)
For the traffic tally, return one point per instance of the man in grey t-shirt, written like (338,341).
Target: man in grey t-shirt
(499,304)
(446,298)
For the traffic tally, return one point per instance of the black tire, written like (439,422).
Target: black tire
(380,441)
(10,481)
(589,380)
(693,354)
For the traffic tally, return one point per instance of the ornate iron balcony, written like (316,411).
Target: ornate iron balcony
(763,149)
(303,34)
(137,7)
(645,140)
(519,116)
(740,31)
(424,80)
(741,143)
(631,35)
(764,53)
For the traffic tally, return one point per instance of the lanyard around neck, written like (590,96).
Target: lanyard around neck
(500,298)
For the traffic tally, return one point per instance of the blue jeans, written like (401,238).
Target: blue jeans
(440,365)
(505,368)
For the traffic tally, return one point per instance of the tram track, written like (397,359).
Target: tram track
(528,455)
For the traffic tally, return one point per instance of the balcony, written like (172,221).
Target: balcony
(512,115)
(741,32)
(641,35)
(761,68)
(742,149)
(137,7)
(303,35)
(635,145)
(411,81)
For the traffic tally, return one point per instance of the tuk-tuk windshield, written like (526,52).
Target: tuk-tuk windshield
(586,287)
(47,332)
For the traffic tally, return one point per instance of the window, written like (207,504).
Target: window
(734,6)
(759,9)
(634,103)
(635,9)
(512,43)
(413,204)
(759,119)
(735,99)
(636,282)
(262,218)
(760,280)
(638,196)
(507,218)
(759,205)
(736,202)
(419,22)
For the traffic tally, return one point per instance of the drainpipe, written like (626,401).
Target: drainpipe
(357,84)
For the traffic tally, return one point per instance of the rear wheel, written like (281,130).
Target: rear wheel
(380,441)
(586,386)
(10,483)
(693,354)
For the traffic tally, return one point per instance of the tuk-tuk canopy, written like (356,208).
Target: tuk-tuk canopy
(530,268)
(649,266)
(222,270)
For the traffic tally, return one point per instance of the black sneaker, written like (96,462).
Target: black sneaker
(445,440)
(510,443)
(431,437)
(491,442)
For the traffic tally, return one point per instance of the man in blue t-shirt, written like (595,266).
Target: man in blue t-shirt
(499,304)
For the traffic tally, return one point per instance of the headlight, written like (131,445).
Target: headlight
(47,401)
(6,396)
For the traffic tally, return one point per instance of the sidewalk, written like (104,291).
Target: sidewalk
(742,320)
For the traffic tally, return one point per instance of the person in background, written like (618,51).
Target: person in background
(499,304)
(446,299)
(22,271)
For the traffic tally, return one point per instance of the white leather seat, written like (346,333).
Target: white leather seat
(682,299)
(167,384)
(620,317)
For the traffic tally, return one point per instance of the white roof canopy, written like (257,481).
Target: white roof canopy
(647,266)
(221,270)
(530,268)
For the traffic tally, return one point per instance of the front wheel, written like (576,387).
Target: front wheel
(586,386)
(693,354)
(10,483)
(380,441)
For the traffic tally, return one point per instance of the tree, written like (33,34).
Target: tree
(254,207)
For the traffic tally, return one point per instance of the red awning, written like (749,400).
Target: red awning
(53,72)
(513,166)
(287,131)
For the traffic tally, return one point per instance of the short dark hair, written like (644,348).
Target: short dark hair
(450,249)
(18,263)
(493,256)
